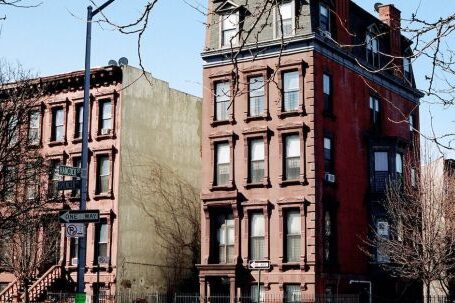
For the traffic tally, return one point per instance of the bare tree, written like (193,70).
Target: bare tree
(30,248)
(416,238)
(24,172)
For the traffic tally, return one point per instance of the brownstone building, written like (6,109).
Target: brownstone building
(306,117)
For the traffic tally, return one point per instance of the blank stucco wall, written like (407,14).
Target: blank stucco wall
(159,127)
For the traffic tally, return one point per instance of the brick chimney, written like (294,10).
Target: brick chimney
(391,16)
(342,21)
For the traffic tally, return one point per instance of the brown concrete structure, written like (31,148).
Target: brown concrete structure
(324,128)
(134,127)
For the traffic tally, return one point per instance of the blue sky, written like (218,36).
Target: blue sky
(49,39)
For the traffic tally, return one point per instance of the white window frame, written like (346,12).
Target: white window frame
(35,114)
(222,161)
(290,90)
(257,233)
(236,37)
(221,98)
(287,156)
(256,158)
(277,20)
(258,94)
(105,118)
(293,236)
(100,175)
(56,126)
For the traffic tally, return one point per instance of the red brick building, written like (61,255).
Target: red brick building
(301,133)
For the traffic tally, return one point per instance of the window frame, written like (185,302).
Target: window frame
(53,133)
(52,178)
(226,230)
(372,49)
(374,105)
(216,138)
(261,71)
(223,76)
(113,96)
(110,153)
(252,237)
(292,66)
(250,134)
(234,42)
(255,206)
(277,22)
(37,141)
(328,29)
(301,129)
(96,236)
(328,98)
(329,162)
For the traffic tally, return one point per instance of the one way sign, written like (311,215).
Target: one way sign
(79,216)
(255,264)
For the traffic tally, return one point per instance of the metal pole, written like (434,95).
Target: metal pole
(98,284)
(259,287)
(84,160)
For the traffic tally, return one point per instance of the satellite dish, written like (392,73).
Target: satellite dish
(112,63)
(123,61)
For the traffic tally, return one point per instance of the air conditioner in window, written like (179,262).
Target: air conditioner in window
(106,131)
(330,178)
(74,261)
(326,34)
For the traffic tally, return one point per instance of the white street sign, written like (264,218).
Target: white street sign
(262,264)
(75,230)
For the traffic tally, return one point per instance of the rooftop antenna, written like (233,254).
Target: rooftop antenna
(123,61)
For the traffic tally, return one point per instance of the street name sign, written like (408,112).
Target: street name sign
(69,185)
(75,230)
(258,265)
(69,171)
(79,216)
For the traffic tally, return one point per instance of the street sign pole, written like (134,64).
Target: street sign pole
(84,160)
(259,287)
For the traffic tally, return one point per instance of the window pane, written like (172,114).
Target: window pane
(292,293)
(293,221)
(413,177)
(286,10)
(292,146)
(103,233)
(381,162)
(34,119)
(256,86)
(106,109)
(291,81)
(103,174)
(230,21)
(327,143)
(254,293)
(222,99)
(223,153)
(326,84)
(257,149)
(399,163)
(257,225)
(324,11)
(59,117)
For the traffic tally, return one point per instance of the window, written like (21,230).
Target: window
(103,174)
(74,249)
(292,157)
(328,236)
(12,130)
(77,162)
(372,50)
(54,177)
(285,24)
(328,157)
(256,96)
(222,100)
(292,293)
(58,128)
(407,67)
(327,88)
(381,171)
(101,240)
(31,182)
(9,182)
(293,236)
(324,18)
(256,168)
(374,110)
(399,166)
(254,293)
(79,121)
(229,29)
(225,238)
(223,160)
(34,128)
(411,123)
(105,118)
(257,236)
(413,177)
(291,91)
(382,230)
